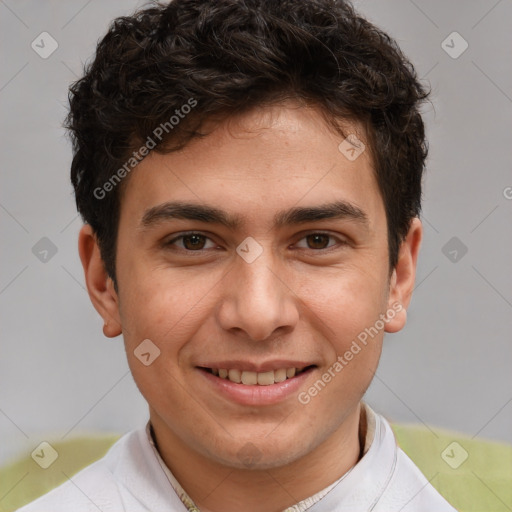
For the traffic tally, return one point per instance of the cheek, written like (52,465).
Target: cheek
(167,308)
(348,315)
(165,312)
(347,306)
(160,304)
(345,302)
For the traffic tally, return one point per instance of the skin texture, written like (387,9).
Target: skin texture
(302,300)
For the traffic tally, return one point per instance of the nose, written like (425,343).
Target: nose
(258,299)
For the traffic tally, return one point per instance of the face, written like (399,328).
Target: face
(259,251)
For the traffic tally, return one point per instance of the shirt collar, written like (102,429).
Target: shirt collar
(367,429)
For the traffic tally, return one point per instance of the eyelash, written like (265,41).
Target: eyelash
(191,233)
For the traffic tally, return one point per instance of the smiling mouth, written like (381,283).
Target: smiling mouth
(249,378)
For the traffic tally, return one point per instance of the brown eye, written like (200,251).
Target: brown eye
(194,242)
(318,241)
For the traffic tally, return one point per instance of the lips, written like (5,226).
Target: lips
(251,384)
(253,378)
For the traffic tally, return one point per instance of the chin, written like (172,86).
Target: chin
(262,454)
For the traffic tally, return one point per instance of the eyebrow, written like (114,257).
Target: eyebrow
(213,215)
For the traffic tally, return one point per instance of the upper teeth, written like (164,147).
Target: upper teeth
(252,378)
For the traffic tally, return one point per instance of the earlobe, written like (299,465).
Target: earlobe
(401,283)
(99,285)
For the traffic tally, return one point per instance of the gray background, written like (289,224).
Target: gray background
(450,367)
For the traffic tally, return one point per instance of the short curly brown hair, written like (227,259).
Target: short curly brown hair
(230,56)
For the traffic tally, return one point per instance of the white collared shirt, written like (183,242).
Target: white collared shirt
(132,477)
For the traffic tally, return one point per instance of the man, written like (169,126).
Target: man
(249,173)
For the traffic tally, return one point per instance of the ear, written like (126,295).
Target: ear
(99,285)
(402,279)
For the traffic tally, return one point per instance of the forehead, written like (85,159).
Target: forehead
(253,165)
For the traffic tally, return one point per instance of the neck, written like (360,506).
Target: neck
(219,488)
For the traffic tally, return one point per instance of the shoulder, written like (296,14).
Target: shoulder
(407,486)
(411,489)
(97,487)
